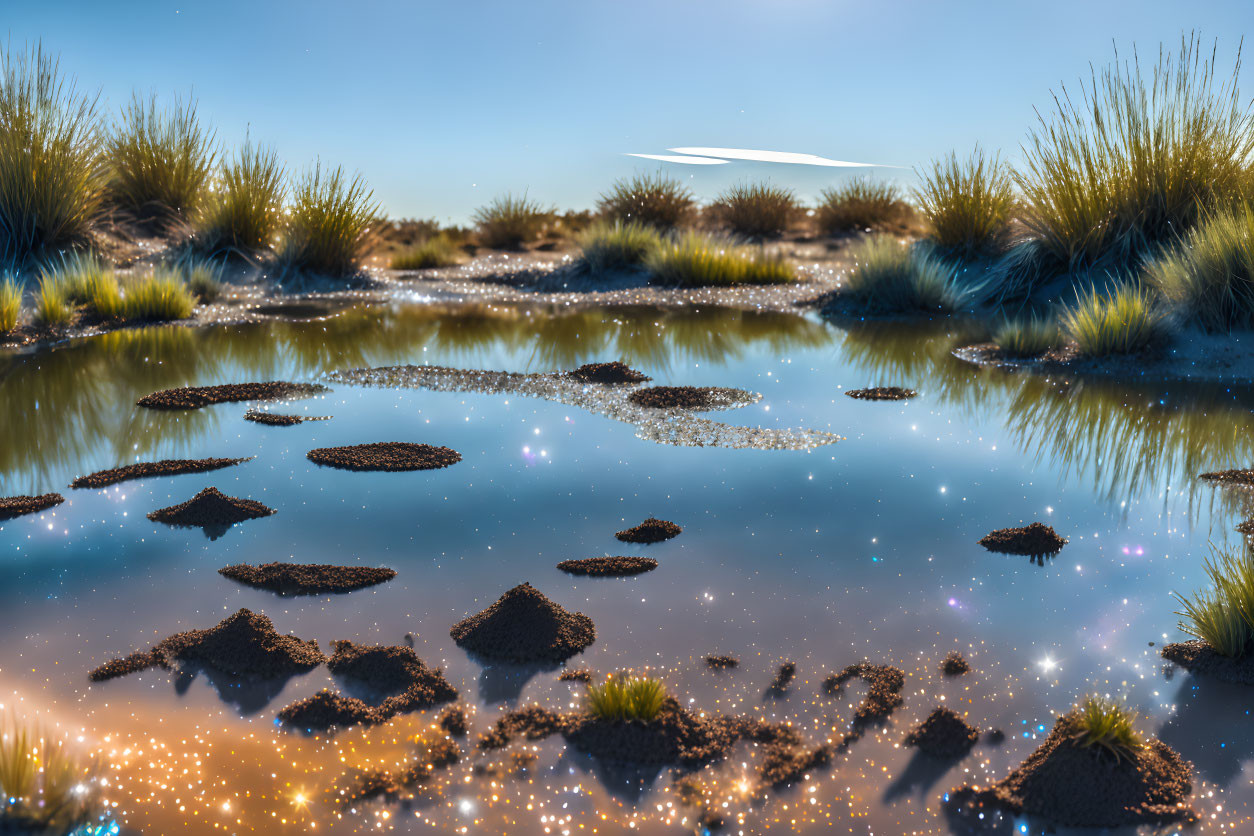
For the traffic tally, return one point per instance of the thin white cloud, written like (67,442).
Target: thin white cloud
(772,157)
(686,160)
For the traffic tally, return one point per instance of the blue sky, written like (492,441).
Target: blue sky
(443,105)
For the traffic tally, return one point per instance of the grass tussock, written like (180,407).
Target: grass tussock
(10,304)
(46,788)
(508,222)
(967,203)
(622,698)
(1223,615)
(859,205)
(696,260)
(1108,725)
(52,305)
(618,246)
(159,296)
(242,212)
(204,279)
(330,225)
(1209,276)
(758,210)
(51,179)
(1029,336)
(1132,162)
(891,277)
(1125,321)
(655,200)
(437,251)
(159,159)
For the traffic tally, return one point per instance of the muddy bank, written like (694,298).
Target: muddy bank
(944,735)
(525,626)
(278,419)
(608,566)
(882,393)
(196,397)
(610,374)
(307,578)
(392,456)
(144,470)
(211,509)
(1198,657)
(16,506)
(1032,540)
(651,530)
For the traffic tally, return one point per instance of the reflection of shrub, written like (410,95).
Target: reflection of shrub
(756,211)
(617,246)
(967,203)
(329,226)
(1210,275)
(159,161)
(1027,336)
(892,277)
(1126,321)
(508,222)
(1222,616)
(1108,725)
(656,200)
(859,205)
(696,260)
(623,698)
(46,788)
(243,211)
(437,251)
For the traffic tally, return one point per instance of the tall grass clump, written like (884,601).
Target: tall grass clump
(437,251)
(1108,725)
(46,788)
(204,279)
(1125,321)
(622,698)
(1222,616)
(1027,336)
(242,211)
(87,281)
(860,204)
(331,224)
(508,222)
(891,277)
(50,173)
(52,307)
(967,203)
(1131,163)
(159,160)
(10,304)
(159,296)
(756,211)
(1209,276)
(696,260)
(618,245)
(655,200)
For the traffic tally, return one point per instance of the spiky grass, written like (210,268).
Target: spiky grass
(204,279)
(1027,336)
(622,698)
(437,251)
(1126,320)
(87,281)
(967,203)
(1223,615)
(1108,725)
(330,225)
(1210,275)
(617,246)
(50,173)
(1133,162)
(242,212)
(652,199)
(159,296)
(696,260)
(10,304)
(891,277)
(510,221)
(52,307)
(758,210)
(46,788)
(159,159)
(859,205)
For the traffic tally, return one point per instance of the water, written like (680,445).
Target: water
(860,549)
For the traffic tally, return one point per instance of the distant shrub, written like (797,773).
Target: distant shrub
(859,205)
(508,222)
(330,225)
(204,279)
(891,277)
(437,251)
(624,698)
(1027,336)
(655,200)
(1210,275)
(618,246)
(159,160)
(242,213)
(756,211)
(10,304)
(159,296)
(1125,321)
(1222,616)
(967,203)
(696,260)
(1107,725)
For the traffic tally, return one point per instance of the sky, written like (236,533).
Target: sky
(441,106)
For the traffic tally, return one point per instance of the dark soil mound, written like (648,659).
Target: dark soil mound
(525,626)
(608,566)
(608,373)
(454,721)
(954,665)
(720,663)
(327,709)
(1200,658)
(783,678)
(1083,787)
(786,764)
(278,419)
(377,783)
(651,530)
(142,470)
(244,644)
(1034,539)
(882,393)
(209,509)
(1230,477)
(385,455)
(532,722)
(16,506)
(673,397)
(195,397)
(580,675)
(307,578)
(944,735)
(883,695)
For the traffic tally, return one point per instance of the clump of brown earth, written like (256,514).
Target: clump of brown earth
(143,470)
(579,675)
(195,397)
(943,735)
(651,530)
(307,578)
(608,566)
(1243,476)
(16,506)
(954,665)
(1077,786)
(278,419)
(720,663)
(391,456)
(244,644)
(525,626)
(673,397)
(608,373)
(437,755)
(454,721)
(211,508)
(1199,657)
(882,393)
(1034,539)
(783,678)
(883,693)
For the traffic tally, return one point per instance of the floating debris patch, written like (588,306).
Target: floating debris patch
(883,694)
(307,578)
(608,566)
(454,721)
(525,626)
(211,509)
(944,735)
(882,393)
(392,456)
(580,675)
(783,678)
(367,785)
(677,397)
(144,470)
(278,419)
(674,427)
(721,663)
(611,374)
(196,397)
(1032,540)
(954,665)
(16,506)
(1198,657)
(1243,477)
(651,530)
